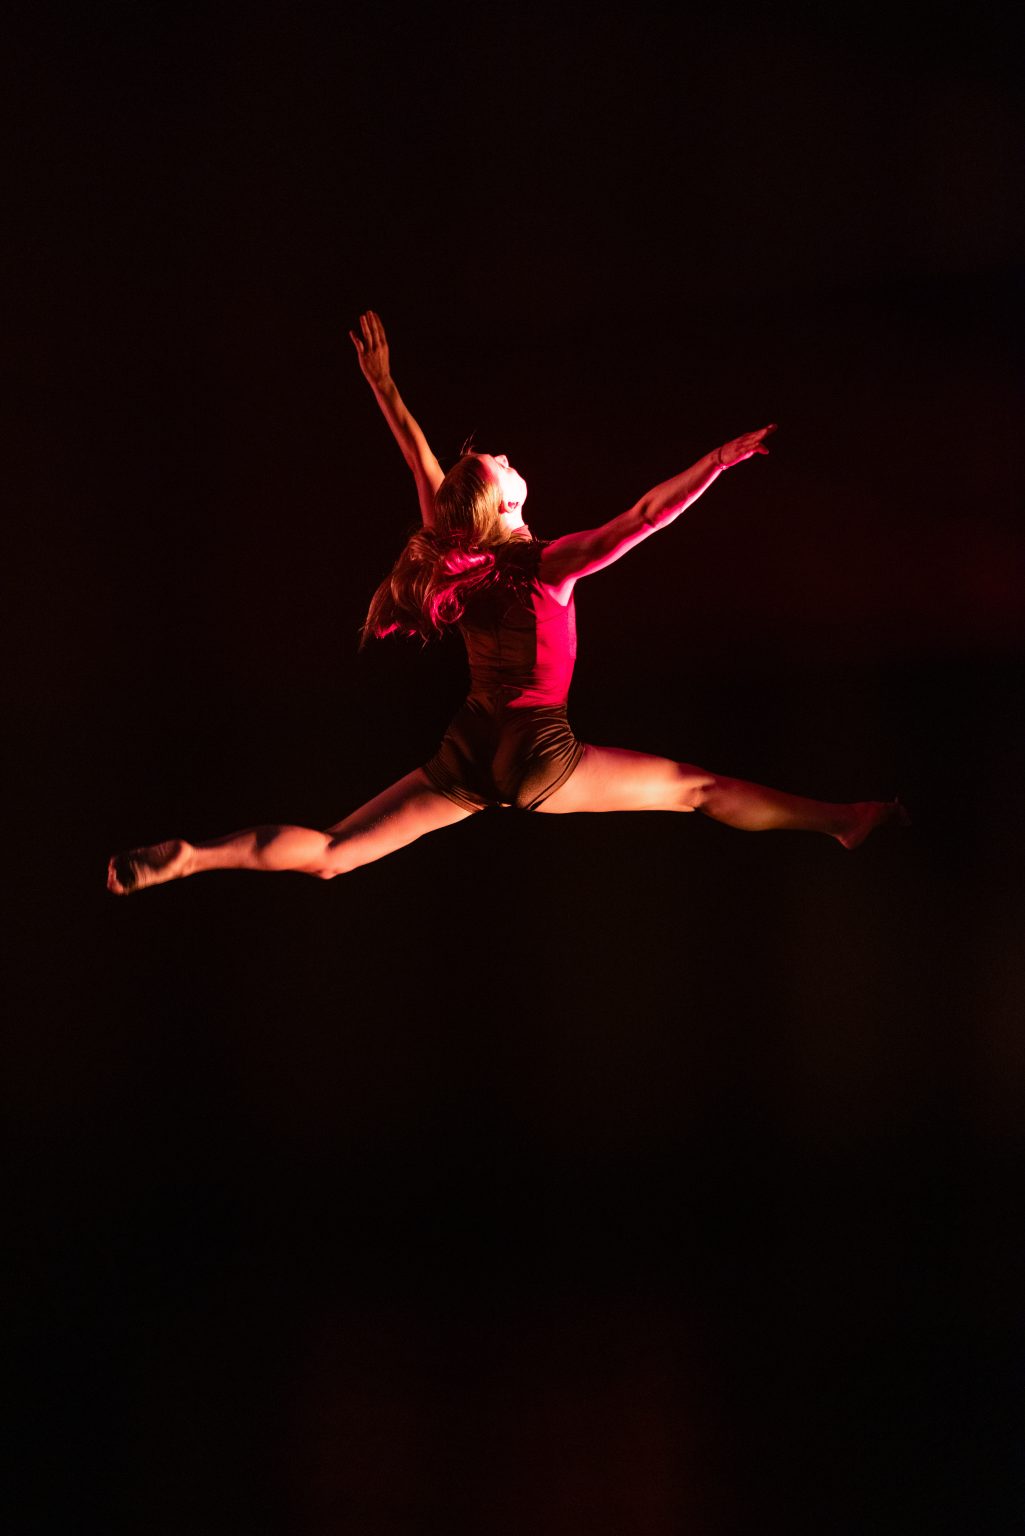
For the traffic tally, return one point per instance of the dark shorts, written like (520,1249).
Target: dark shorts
(493,755)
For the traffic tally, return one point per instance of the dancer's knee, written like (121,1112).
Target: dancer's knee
(694,787)
(337,859)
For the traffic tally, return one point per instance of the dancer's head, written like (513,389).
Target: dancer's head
(480,499)
(477,507)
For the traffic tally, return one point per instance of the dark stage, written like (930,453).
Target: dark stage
(599,1174)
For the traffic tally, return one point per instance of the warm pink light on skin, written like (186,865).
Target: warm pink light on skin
(514,667)
(510,483)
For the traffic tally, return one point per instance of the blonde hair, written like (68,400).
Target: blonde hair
(427,588)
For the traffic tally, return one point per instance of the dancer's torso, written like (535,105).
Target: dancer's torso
(521,641)
(511,743)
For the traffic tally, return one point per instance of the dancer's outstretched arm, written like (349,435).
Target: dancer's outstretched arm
(372,351)
(580,554)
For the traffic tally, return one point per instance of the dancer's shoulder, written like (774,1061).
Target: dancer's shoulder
(522,556)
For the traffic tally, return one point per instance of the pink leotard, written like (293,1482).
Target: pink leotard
(511,744)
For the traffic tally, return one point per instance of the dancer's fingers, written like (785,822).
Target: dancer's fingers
(356,342)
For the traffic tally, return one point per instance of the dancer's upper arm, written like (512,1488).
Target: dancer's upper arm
(565,560)
(428,475)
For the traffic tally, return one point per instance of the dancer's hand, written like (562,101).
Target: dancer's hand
(372,350)
(743,447)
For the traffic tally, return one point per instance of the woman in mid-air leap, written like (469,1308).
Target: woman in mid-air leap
(475,563)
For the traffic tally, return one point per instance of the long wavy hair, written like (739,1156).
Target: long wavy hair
(427,587)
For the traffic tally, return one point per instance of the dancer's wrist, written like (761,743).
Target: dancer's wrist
(720,462)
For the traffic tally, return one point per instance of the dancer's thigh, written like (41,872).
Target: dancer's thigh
(399,815)
(613,779)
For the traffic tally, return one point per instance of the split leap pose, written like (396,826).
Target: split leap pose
(475,563)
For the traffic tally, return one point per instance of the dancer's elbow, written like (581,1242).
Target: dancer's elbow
(651,515)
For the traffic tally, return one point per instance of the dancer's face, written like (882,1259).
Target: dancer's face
(511,485)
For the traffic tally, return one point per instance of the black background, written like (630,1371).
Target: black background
(618,1174)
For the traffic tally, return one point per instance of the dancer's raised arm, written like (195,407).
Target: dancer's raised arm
(372,351)
(580,554)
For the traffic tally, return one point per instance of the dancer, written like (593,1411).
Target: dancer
(474,563)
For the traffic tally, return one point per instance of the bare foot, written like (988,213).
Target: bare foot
(866,815)
(133,871)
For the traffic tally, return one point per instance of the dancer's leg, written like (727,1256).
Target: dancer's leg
(400,815)
(609,779)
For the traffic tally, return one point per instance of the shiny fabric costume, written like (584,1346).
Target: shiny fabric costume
(511,743)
